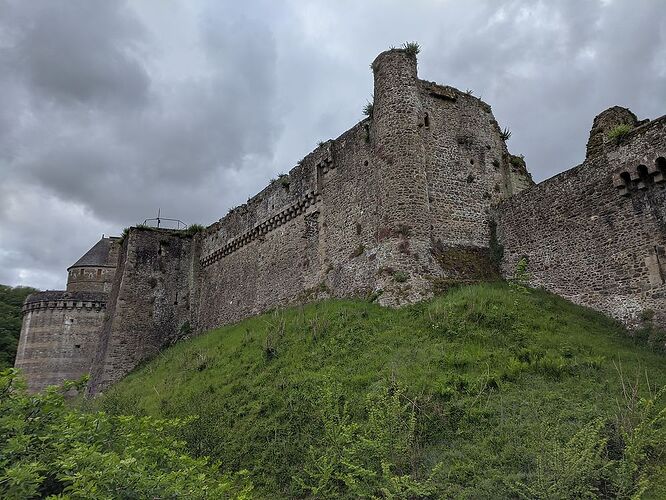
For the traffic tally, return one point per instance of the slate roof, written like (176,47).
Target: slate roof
(97,256)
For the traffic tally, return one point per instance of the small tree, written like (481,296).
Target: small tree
(521,276)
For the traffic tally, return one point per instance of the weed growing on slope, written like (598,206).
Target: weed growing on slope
(483,391)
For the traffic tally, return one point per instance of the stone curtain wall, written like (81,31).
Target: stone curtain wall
(59,336)
(384,209)
(596,234)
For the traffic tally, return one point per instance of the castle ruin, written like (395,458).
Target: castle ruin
(421,195)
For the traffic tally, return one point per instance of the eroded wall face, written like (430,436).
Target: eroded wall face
(150,305)
(594,239)
(59,337)
(468,165)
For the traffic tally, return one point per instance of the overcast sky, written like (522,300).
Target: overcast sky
(111,109)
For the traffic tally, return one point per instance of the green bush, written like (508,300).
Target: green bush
(400,276)
(518,161)
(48,449)
(194,229)
(369,457)
(619,132)
(368,109)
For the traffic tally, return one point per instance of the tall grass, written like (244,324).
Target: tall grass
(484,390)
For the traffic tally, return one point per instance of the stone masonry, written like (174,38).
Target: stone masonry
(61,329)
(414,198)
(596,234)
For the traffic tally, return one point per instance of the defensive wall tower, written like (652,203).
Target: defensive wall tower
(61,328)
(399,156)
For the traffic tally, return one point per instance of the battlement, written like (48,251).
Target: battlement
(57,299)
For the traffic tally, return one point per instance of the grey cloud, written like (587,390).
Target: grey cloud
(109,110)
(79,51)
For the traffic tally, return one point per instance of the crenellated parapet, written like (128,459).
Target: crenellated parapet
(64,300)
(271,224)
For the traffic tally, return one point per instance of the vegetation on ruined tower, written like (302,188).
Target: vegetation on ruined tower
(412,49)
(518,161)
(11,300)
(193,229)
(369,108)
(123,235)
(619,132)
(484,392)
(505,134)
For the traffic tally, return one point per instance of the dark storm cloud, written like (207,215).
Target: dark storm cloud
(109,110)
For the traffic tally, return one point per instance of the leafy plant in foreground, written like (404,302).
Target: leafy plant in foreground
(48,449)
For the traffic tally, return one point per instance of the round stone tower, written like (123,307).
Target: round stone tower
(398,144)
(61,328)
(94,271)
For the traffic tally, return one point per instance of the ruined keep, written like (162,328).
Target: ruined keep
(420,195)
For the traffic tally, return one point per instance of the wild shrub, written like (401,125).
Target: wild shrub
(369,108)
(52,450)
(412,49)
(368,457)
(518,161)
(569,470)
(400,276)
(619,458)
(521,277)
(505,134)
(193,229)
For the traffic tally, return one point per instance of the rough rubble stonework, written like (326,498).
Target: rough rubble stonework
(596,234)
(416,197)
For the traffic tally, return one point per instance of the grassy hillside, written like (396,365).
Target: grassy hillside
(11,300)
(487,392)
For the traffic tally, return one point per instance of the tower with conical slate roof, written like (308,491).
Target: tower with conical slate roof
(61,328)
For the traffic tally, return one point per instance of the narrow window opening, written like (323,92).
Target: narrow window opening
(660,174)
(661,164)
(426,120)
(644,177)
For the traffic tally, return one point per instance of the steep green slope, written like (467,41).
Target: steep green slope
(487,392)
(11,300)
